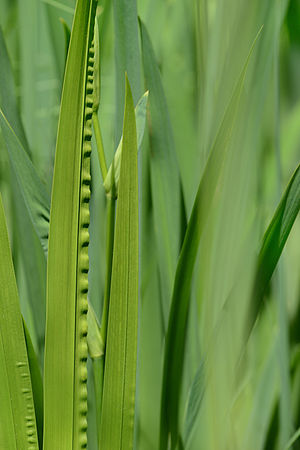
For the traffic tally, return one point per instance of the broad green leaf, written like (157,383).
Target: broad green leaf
(65,374)
(165,181)
(118,406)
(177,326)
(273,243)
(140,117)
(17,415)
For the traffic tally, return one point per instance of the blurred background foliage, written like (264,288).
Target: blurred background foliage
(200,48)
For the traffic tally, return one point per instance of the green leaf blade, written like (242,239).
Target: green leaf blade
(65,393)
(121,348)
(17,414)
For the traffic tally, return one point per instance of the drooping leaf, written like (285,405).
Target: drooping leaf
(17,414)
(65,374)
(118,407)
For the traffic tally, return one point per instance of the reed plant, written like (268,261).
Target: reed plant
(149,239)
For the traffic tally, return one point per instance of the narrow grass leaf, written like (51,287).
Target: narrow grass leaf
(118,407)
(17,415)
(65,374)
(177,326)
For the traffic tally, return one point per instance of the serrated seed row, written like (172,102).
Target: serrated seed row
(83,258)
